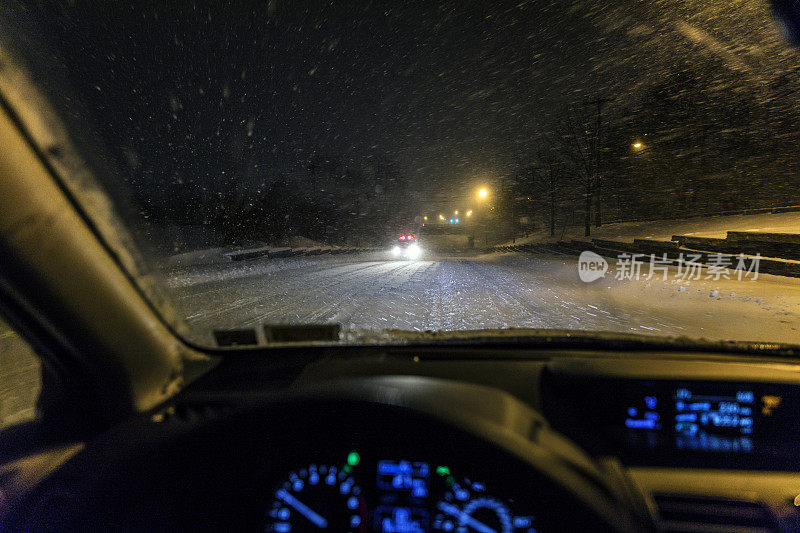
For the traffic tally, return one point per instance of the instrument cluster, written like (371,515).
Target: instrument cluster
(390,495)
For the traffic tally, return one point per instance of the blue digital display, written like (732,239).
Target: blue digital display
(694,420)
(404,490)
(405,476)
(401,519)
(644,415)
(693,423)
(712,422)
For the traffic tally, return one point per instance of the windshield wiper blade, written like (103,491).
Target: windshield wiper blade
(278,333)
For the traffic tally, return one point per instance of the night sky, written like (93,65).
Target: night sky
(455,92)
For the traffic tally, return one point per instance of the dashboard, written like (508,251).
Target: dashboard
(409,441)
(391,454)
(711,441)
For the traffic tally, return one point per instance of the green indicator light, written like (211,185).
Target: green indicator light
(353,458)
(442,470)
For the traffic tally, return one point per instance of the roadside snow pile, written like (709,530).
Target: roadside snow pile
(715,227)
(294,246)
(206,256)
(768,243)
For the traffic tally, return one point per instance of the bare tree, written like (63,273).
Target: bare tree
(536,183)
(552,168)
(578,141)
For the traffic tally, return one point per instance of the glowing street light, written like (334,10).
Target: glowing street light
(441,217)
(456,212)
(482,194)
(469,213)
(424,218)
(637,145)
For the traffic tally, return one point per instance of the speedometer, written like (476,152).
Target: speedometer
(317,498)
(466,507)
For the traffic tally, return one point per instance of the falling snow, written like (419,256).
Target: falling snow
(228,126)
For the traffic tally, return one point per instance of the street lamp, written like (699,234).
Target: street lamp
(469,213)
(441,217)
(637,145)
(482,194)
(456,212)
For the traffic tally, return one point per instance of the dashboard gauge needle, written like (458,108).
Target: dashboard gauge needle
(302,508)
(465,519)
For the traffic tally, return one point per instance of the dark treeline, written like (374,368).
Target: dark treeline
(328,201)
(689,147)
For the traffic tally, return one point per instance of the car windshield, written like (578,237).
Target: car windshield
(447,166)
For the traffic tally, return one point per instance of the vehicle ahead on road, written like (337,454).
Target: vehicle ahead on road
(406,247)
(341,393)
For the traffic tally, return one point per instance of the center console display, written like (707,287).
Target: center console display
(680,423)
(695,420)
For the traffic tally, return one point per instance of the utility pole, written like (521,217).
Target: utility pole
(552,190)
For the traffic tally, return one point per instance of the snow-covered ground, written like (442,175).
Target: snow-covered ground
(486,291)
(665,229)
(218,255)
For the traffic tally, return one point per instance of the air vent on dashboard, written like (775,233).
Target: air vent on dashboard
(697,514)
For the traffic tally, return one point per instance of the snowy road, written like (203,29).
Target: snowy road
(449,293)
(484,291)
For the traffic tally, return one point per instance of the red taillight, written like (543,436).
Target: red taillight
(410,237)
(402,237)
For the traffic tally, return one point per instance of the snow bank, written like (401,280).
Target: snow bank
(715,227)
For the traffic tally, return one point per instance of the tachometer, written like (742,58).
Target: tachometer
(317,498)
